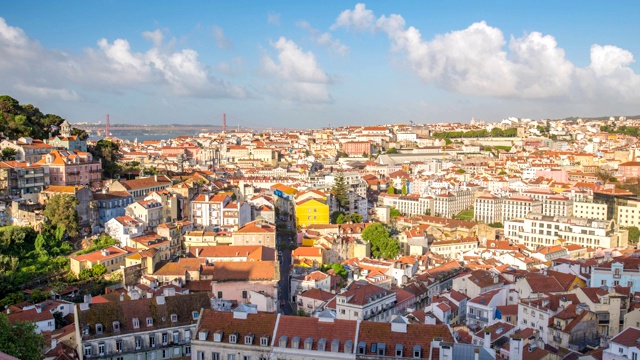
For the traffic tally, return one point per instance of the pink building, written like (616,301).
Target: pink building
(69,168)
(356,148)
(629,169)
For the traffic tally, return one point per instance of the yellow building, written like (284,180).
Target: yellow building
(311,212)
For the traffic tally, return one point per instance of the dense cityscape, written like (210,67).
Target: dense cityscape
(513,239)
(298,180)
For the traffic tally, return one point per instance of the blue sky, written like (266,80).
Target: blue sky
(299,64)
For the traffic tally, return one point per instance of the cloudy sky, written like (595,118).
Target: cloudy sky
(299,64)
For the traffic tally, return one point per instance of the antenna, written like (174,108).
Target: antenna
(107,130)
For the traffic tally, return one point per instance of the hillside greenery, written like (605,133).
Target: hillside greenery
(26,120)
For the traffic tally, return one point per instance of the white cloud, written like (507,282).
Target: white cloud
(273,18)
(325,39)
(479,60)
(221,40)
(111,66)
(359,19)
(234,67)
(299,76)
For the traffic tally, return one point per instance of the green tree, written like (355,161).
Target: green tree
(38,296)
(634,234)
(404,189)
(391,190)
(394,213)
(382,245)
(8,154)
(81,134)
(61,211)
(109,153)
(427,212)
(98,270)
(497,225)
(334,216)
(341,219)
(20,339)
(497,132)
(340,190)
(502,172)
(354,218)
(392,151)
(337,268)
(364,154)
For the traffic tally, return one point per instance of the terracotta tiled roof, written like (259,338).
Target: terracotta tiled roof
(311,327)
(125,311)
(244,271)
(259,325)
(416,334)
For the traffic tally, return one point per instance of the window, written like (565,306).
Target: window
(152,340)
(87,350)
(264,341)
(187,350)
(246,357)
(101,349)
(165,354)
(176,337)
(214,356)
(174,317)
(149,321)
(219,294)
(136,323)
(99,328)
(233,338)
(118,345)
(231,357)
(603,282)
(165,339)
(116,326)
(540,316)
(244,294)
(138,343)
(176,351)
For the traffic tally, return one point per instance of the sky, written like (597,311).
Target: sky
(311,64)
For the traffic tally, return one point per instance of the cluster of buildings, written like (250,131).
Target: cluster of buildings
(509,247)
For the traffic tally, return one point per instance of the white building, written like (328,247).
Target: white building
(519,206)
(123,229)
(488,209)
(590,210)
(537,230)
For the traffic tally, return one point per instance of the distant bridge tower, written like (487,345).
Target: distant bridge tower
(224,122)
(107,130)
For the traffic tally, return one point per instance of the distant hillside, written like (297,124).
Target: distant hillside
(601,118)
(25,120)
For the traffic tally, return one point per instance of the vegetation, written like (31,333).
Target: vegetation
(604,174)
(353,218)
(634,234)
(61,213)
(20,340)
(403,190)
(103,241)
(497,225)
(27,120)
(109,153)
(333,218)
(394,213)
(465,215)
(382,245)
(27,258)
(625,130)
(337,268)
(95,271)
(391,190)
(340,190)
(476,133)
(392,151)
(341,219)
(8,154)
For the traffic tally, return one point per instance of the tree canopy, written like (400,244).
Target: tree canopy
(61,212)
(335,215)
(634,234)
(109,153)
(8,154)
(394,213)
(20,339)
(337,268)
(26,120)
(341,190)
(382,245)
(353,218)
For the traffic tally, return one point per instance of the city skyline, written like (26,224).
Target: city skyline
(299,64)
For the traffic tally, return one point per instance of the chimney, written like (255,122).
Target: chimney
(104,191)
(54,342)
(198,252)
(155,177)
(487,339)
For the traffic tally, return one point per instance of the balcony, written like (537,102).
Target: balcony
(95,170)
(476,317)
(73,172)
